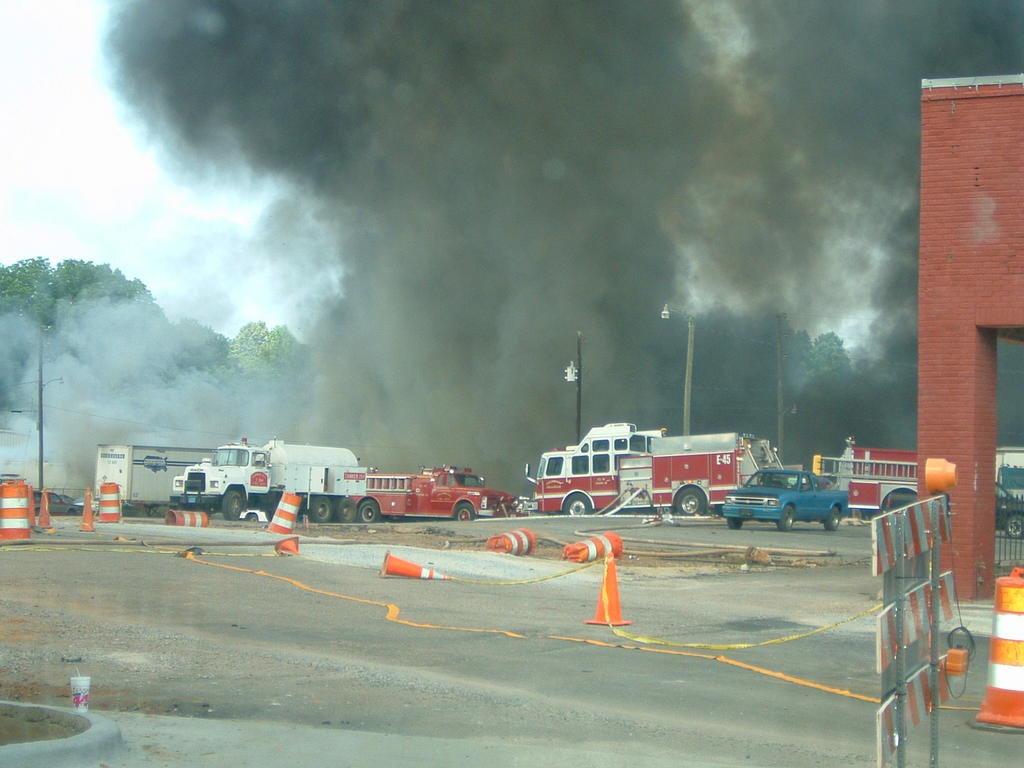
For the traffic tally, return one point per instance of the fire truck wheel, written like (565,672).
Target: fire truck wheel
(577,504)
(232,505)
(369,511)
(831,522)
(464,512)
(1015,526)
(734,523)
(320,509)
(785,521)
(689,502)
(347,511)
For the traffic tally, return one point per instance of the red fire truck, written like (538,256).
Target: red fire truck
(618,466)
(439,492)
(878,479)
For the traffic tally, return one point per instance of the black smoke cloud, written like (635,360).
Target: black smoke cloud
(500,175)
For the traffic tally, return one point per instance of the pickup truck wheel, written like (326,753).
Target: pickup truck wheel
(369,511)
(464,512)
(1015,526)
(689,502)
(734,523)
(831,522)
(347,511)
(576,504)
(785,521)
(320,509)
(233,504)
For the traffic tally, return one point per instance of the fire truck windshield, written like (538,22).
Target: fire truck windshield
(231,457)
(469,481)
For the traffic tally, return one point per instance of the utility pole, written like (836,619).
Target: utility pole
(39,415)
(778,382)
(688,378)
(579,383)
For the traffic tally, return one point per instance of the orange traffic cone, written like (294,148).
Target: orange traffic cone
(521,541)
(87,512)
(608,610)
(31,507)
(287,546)
(44,510)
(395,566)
(595,547)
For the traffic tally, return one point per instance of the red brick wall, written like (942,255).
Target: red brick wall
(971,283)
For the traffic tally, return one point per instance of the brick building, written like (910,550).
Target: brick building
(970,294)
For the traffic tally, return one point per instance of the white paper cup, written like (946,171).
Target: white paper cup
(80,693)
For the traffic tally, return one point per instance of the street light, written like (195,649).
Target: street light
(666,313)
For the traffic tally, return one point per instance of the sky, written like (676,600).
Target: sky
(81,182)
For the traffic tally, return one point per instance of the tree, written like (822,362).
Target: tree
(827,357)
(267,351)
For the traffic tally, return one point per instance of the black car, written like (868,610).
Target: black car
(59,503)
(1009,513)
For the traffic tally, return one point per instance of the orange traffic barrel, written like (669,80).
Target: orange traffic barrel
(594,548)
(187,517)
(110,503)
(14,511)
(287,511)
(1004,699)
(518,542)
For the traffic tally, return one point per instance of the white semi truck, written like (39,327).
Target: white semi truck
(144,472)
(240,476)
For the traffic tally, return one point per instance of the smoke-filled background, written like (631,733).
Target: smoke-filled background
(488,178)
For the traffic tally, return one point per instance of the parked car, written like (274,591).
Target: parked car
(59,503)
(1009,513)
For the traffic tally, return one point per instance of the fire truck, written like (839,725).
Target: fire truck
(439,492)
(618,466)
(877,479)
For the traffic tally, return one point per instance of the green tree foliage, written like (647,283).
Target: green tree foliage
(257,349)
(827,357)
(38,291)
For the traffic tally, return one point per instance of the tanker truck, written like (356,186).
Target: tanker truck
(240,476)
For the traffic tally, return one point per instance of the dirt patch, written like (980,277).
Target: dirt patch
(23,724)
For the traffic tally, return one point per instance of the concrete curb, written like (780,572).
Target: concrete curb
(100,740)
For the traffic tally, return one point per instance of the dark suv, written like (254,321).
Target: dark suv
(1009,513)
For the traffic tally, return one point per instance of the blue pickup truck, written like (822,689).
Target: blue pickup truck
(785,496)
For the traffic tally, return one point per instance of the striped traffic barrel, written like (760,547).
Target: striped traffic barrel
(284,516)
(594,548)
(521,541)
(110,503)
(187,517)
(14,511)
(1004,699)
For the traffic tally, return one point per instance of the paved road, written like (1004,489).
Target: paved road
(504,672)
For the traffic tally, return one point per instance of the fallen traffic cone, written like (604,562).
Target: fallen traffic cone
(44,510)
(594,548)
(608,610)
(287,546)
(521,541)
(395,566)
(87,512)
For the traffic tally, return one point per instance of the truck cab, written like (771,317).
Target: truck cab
(226,481)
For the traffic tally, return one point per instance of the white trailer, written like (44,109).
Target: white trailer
(144,472)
